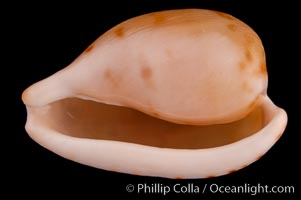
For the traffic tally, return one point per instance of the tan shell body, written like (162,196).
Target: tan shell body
(200,74)
(184,66)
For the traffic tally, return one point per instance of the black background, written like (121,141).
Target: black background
(44,38)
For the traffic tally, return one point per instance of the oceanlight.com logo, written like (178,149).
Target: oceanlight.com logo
(190,188)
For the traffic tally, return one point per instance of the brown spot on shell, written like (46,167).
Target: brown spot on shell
(178,177)
(262,53)
(119,31)
(246,87)
(242,66)
(248,55)
(225,15)
(248,58)
(232,27)
(158,19)
(261,70)
(146,73)
(244,166)
(259,156)
(111,77)
(232,171)
(249,40)
(210,176)
(89,48)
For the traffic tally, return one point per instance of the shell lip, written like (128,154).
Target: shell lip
(164,162)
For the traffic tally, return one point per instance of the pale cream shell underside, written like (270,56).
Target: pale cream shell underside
(48,125)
